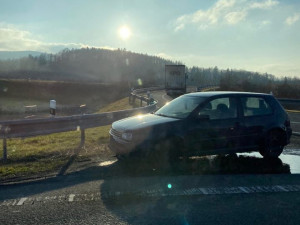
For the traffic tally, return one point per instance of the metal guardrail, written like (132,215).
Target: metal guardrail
(290,104)
(205,87)
(36,127)
(296,134)
(142,90)
(288,101)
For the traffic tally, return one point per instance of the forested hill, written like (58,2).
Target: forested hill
(88,64)
(134,69)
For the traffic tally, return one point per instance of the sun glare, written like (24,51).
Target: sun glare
(124,32)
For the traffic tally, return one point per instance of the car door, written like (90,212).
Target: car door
(256,113)
(215,128)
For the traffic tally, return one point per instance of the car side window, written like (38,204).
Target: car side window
(255,106)
(220,108)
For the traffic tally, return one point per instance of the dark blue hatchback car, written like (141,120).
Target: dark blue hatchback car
(205,123)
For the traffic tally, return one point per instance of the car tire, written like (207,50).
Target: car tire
(164,154)
(273,145)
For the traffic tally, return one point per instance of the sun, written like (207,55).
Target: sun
(124,32)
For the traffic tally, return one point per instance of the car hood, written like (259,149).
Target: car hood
(140,122)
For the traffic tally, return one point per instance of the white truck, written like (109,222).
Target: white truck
(175,79)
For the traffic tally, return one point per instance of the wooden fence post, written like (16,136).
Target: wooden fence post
(82,141)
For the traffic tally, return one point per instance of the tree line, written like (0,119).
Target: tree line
(134,69)
(241,80)
(88,64)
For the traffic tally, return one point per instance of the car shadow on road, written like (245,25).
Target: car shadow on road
(112,169)
(136,199)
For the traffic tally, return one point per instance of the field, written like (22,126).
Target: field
(51,153)
(16,95)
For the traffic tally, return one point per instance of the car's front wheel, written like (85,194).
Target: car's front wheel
(273,144)
(165,153)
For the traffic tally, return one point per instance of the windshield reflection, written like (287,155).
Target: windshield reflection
(180,107)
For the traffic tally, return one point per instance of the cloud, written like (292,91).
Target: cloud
(165,56)
(228,12)
(263,24)
(292,19)
(282,68)
(15,39)
(263,5)
(266,22)
(235,17)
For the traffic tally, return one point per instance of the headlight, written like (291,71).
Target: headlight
(127,136)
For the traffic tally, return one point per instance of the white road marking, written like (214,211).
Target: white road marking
(155,192)
(281,188)
(13,203)
(22,200)
(71,197)
(295,122)
(203,190)
(244,189)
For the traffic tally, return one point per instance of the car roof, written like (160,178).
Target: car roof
(227,93)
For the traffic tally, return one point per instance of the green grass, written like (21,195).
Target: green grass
(48,153)
(17,105)
(121,104)
(69,96)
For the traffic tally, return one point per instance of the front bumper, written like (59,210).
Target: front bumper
(119,146)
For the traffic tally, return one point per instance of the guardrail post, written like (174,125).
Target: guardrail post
(4,150)
(131,98)
(82,141)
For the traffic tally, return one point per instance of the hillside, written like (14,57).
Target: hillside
(135,69)
(88,64)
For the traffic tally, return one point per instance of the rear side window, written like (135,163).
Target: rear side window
(220,108)
(254,106)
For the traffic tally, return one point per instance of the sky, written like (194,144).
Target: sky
(261,36)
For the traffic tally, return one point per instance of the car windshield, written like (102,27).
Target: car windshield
(180,107)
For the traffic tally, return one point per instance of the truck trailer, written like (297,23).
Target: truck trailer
(175,79)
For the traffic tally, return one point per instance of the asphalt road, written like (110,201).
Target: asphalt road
(161,97)
(116,193)
(88,197)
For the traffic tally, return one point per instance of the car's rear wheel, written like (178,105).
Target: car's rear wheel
(273,145)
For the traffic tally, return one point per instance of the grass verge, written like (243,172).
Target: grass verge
(47,154)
